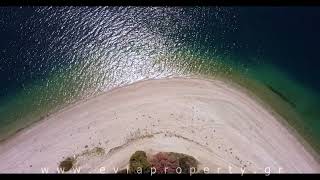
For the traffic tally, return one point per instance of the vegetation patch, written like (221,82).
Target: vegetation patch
(171,163)
(67,164)
(162,163)
(98,151)
(139,163)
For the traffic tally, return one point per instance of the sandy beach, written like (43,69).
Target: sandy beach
(219,124)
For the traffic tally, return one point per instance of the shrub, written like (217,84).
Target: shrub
(67,164)
(139,160)
(163,160)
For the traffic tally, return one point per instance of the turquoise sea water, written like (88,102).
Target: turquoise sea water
(53,56)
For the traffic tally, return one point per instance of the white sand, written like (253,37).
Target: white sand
(216,122)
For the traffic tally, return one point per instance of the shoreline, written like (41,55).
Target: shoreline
(232,85)
(259,97)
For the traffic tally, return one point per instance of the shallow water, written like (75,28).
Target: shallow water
(53,56)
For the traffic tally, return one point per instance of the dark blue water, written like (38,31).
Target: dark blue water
(287,37)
